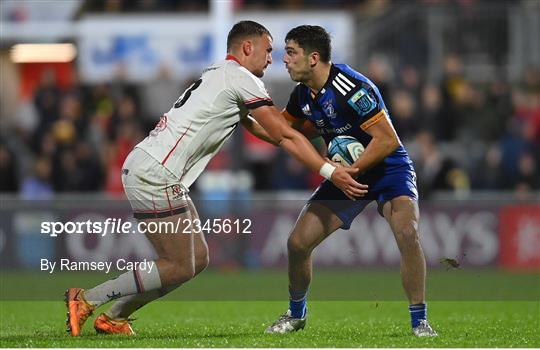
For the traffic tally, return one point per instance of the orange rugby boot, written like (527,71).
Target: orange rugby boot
(106,325)
(78,310)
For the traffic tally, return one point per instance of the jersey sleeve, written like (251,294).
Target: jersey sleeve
(250,90)
(293,109)
(368,105)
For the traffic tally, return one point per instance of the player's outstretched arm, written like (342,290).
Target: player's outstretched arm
(299,147)
(257,130)
(302,126)
(384,141)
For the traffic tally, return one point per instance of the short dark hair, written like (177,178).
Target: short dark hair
(244,29)
(312,39)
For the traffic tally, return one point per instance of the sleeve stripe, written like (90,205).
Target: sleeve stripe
(289,116)
(251,100)
(373,120)
(253,105)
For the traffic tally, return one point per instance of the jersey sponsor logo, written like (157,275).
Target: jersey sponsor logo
(306,110)
(362,102)
(339,130)
(319,123)
(342,129)
(209,69)
(329,110)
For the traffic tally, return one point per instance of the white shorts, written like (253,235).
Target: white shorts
(152,190)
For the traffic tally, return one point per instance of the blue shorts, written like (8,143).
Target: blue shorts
(402,183)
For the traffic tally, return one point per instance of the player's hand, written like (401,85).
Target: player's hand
(343,179)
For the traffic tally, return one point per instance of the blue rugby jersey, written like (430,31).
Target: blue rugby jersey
(348,104)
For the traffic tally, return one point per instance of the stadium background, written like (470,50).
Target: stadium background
(462,83)
(461,80)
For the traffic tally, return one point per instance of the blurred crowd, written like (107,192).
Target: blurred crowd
(461,136)
(146,6)
(112,6)
(465,136)
(70,140)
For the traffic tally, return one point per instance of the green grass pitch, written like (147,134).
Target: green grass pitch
(196,317)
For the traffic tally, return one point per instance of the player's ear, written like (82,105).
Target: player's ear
(247,47)
(314,58)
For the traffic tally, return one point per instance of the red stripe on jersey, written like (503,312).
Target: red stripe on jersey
(232,58)
(176,144)
(257,99)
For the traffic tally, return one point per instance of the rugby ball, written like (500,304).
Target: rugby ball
(344,150)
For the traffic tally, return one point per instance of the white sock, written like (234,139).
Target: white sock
(128,283)
(125,306)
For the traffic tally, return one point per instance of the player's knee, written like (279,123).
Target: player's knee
(407,234)
(297,246)
(183,274)
(201,261)
(180,272)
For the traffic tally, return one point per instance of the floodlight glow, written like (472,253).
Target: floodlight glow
(29,53)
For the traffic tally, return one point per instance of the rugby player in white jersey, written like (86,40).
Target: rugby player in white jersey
(157,175)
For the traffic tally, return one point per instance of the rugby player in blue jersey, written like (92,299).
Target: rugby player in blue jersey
(333,99)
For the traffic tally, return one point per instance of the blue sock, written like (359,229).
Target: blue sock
(298,303)
(418,312)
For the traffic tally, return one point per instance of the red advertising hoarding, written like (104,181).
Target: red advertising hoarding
(519,232)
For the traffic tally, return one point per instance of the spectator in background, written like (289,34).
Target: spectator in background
(452,88)
(47,101)
(102,109)
(289,174)
(500,102)
(526,101)
(380,73)
(437,172)
(489,171)
(126,112)
(430,112)
(67,176)
(38,185)
(404,114)
(90,167)
(260,158)
(528,175)
(162,91)
(128,135)
(48,146)
(513,145)
(474,117)
(8,170)
(410,80)
(71,112)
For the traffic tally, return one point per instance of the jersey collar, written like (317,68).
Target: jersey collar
(232,58)
(333,72)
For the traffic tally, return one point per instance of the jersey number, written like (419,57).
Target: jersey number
(186,94)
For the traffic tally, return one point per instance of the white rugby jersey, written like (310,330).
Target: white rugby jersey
(203,118)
